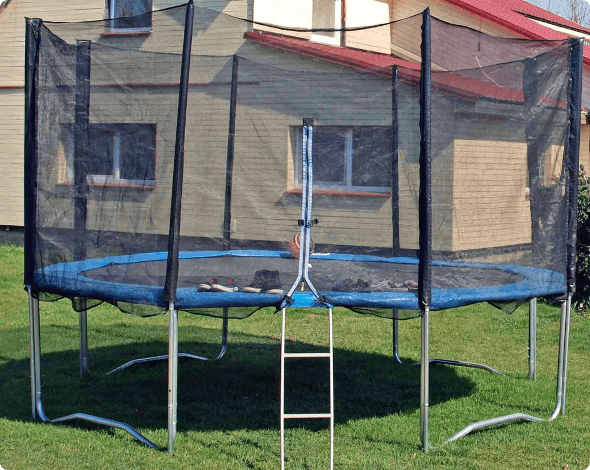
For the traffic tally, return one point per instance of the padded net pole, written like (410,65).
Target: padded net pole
(425,199)
(572,153)
(31,157)
(82,118)
(425,223)
(229,168)
(176,203)
(395,158)
(531,90)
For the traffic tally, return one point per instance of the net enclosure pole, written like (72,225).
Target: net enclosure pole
(532,339)
(176,200)
(82,119)
(229,167)
(395,189)
(32,39)
(572,155)
(81,124)
(174,230)
(395,157)
(30,177)
(425,223)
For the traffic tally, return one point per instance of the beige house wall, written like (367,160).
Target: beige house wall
(11,155)
(463,219)
(585,147)
(12,39)
(405,37)
(490,207)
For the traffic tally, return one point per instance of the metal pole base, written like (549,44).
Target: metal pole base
(84,371)
(532,339)
(395,336)
(105,422)
(475,365)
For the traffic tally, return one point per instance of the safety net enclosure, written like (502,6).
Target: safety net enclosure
(104,215)
(209,162)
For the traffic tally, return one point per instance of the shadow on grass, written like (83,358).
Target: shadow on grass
(241,391)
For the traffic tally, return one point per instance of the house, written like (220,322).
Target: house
(318,51)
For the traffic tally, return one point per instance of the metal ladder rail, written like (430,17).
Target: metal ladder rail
(330,415)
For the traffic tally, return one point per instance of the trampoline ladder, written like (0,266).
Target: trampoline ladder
(329,355)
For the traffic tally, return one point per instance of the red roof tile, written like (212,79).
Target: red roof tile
(338,55)
(466,88)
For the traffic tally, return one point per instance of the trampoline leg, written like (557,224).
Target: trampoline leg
(35,338)
(172,374)
(566,340)
(84,372)
(38,413)
(395,336)
(560,398)
(424,380)
(282,399)
(532,339)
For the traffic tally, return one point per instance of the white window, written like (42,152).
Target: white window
(118,154)
(350,159)
(326,14)
(130,15)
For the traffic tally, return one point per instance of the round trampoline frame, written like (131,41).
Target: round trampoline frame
(69,279)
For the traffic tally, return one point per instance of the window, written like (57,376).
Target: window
(347,158)
(130,15)
(118,154)
(326,14)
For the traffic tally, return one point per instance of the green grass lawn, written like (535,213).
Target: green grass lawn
(228,413)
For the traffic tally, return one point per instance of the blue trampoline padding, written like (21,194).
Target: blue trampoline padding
(68,279)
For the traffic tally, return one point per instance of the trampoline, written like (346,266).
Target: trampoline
(384,281)
(220,173)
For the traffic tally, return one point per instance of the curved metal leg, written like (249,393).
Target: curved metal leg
(532,339)
(38,412)
(452,362)
(532,349)
(224,333)
(475,365)
(561,373)
(395,336)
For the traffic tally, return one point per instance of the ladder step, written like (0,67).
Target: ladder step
(307,415)
(306,355)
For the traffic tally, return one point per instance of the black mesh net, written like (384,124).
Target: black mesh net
(104,132)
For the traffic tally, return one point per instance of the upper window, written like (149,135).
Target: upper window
(326,14)
(130,15)
(351,159)
(118,154)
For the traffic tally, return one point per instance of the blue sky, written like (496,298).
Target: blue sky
(544,3)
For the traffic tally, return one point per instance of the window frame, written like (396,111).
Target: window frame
(112,29)
(114,178)
(295,147)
